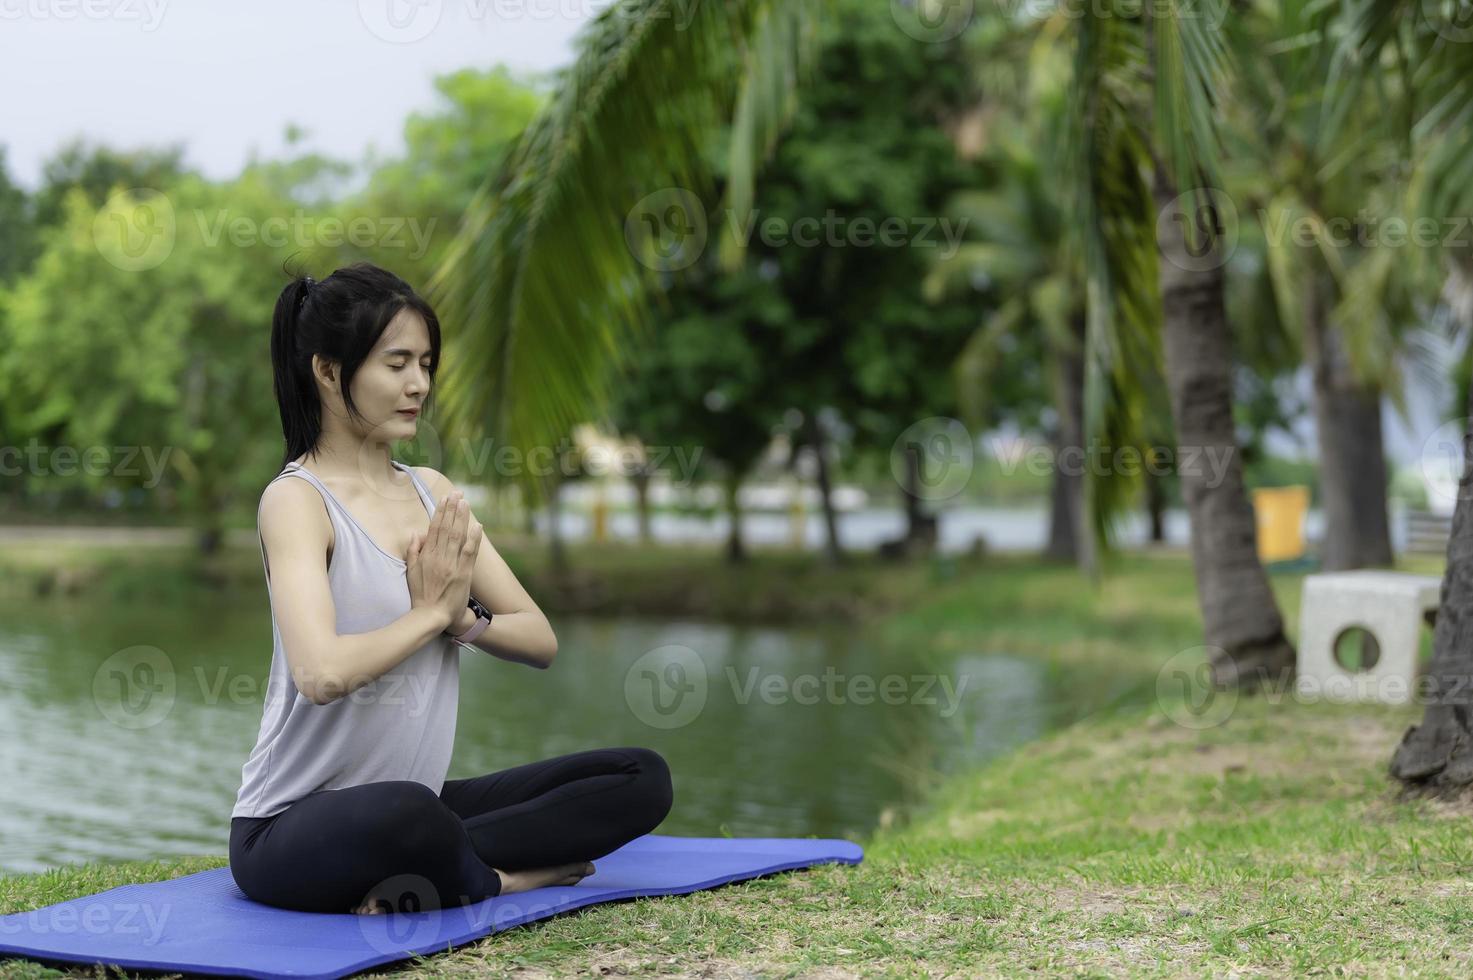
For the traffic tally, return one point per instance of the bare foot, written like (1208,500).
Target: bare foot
(511,882)
(562,874)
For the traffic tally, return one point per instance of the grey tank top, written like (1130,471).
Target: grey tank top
(401,725)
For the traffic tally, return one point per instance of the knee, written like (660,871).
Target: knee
(657,792)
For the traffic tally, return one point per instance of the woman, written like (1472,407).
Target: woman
(343,804)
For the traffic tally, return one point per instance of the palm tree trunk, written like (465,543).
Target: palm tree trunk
(1353,475)
(1240,616)
(1437,755)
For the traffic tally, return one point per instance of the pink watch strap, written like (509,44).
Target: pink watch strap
(477,628)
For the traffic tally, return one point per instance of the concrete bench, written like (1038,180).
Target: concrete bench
(1391,606)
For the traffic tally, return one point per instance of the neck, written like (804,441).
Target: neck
(348,456)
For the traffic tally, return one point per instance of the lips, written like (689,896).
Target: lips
(409,413)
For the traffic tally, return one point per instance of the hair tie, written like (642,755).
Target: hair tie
(307,283)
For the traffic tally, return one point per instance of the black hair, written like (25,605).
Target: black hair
(340,318)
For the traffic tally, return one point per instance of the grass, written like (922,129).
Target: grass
(1137,841)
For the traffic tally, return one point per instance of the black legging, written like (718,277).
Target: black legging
(328,850)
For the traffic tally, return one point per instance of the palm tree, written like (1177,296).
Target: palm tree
(1316,157)
(1145,151)
(1422,49)
(1022,237)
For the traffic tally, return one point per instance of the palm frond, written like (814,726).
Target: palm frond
(1191,68)
(549,277)
(1107,146)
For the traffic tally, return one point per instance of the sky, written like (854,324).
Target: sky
(225,78)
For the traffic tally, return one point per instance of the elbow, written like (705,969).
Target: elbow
(317,693)
(549,651)
(318,687)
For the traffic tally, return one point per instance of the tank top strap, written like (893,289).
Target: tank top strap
(297,469)
(427,498)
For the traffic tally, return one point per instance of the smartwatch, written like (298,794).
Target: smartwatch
(483,619)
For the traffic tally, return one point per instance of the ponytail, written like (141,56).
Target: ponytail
(296,396)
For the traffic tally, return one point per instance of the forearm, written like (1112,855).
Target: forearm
(521,637)
(355,659)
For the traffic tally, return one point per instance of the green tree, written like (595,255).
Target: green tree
(150,350)
(699,384)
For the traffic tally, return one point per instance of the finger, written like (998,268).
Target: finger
(473,538)
(460,516)
(437,525)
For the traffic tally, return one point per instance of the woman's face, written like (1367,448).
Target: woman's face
(395,376)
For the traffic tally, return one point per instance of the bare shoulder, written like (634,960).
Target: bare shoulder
(292,507)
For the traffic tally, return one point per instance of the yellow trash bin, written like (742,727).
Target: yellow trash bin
(1279,514)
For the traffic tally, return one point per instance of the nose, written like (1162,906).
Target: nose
(419,382)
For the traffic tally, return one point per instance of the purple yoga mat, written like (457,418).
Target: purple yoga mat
(203,923)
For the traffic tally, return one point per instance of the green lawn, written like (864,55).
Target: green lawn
(1270,843)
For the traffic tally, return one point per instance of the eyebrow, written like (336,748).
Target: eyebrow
(396,351)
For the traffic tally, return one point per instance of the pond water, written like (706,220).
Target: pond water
(768,731)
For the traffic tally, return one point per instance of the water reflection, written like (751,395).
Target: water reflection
(811,731)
